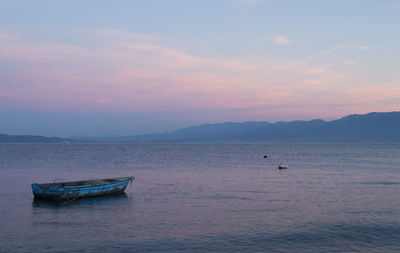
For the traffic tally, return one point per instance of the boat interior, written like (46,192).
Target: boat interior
(93,182)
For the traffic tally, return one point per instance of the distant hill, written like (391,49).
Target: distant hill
(4,138)
(367,127)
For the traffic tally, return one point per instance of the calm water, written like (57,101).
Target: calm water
(335,197)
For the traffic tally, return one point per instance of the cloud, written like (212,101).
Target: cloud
(103,100)
(249,2)
(365,47)
(348,47)
(8,37)
(341,46)
(127,73)
(113,34)
(281,40)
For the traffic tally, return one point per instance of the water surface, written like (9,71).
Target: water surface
(335,197)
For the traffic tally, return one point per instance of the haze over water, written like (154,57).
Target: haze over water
(335,197)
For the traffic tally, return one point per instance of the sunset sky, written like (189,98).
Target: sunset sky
(130,67)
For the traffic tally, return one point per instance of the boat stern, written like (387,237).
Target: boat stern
(46,192)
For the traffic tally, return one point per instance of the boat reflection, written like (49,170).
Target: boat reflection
(115,199)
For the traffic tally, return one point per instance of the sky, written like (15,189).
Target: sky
(100,67)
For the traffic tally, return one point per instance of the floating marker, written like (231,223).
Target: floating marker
(282,166)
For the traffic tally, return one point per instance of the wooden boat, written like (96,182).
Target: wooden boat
(79,189)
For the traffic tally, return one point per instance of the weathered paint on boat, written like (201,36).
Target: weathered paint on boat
(80,189)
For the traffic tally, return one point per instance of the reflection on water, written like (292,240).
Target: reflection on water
(114,199)
(84,213)
(206,198)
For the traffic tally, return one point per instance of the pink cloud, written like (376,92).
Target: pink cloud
(134,73)
(281,40)
(8,37)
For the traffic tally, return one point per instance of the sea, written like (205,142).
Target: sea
(334,197)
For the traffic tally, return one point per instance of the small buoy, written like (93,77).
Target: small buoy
(282,166)
(265,156)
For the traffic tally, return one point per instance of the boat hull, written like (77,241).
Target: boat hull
(80,189)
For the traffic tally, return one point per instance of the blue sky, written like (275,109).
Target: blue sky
(159,65)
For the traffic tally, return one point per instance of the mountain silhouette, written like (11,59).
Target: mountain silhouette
(4,138)
(376,126)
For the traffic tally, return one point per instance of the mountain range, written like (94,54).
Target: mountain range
(376,126)
(4,138)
